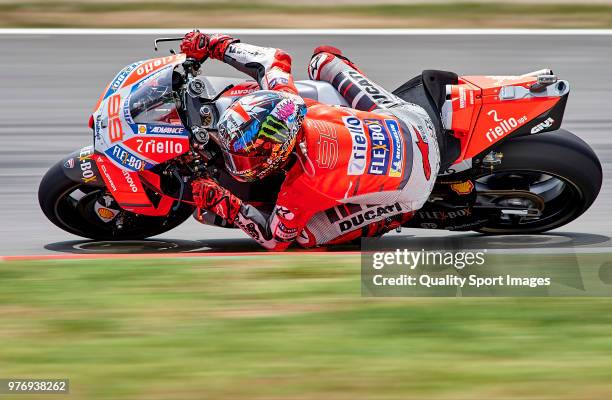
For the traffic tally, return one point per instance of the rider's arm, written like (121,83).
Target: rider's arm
(274,232)
(270,67)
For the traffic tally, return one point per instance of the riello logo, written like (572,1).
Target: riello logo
(154,64)
(504,126)
(357,161)
(160,146)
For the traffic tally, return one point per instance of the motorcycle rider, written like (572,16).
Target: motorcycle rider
(350,172)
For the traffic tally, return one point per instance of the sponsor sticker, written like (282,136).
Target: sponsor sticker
(69,163)
(315,63)
(461,97)
(154,146)
(283,232)
(357,160)
(397,155)
(120,78)
(284,212)
(543,125)
(443,215)
(85,162)
(374,91)
(127,114)
(167,130)
(366,216)
(462,188)
(239,92)
(143,129)
(129,180)
(379,151)
(104,213)
(155,64)
(98,128)
(504,126)
(125,158)
(109,180)
(274,82)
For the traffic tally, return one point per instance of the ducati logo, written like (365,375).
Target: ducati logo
(374,213)
(69,163)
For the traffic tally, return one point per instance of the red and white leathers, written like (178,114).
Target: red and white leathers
(361,170)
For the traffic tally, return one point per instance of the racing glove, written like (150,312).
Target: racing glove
(208,195)
(200,46)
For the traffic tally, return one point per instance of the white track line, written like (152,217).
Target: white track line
(553,250)
(380,32)
(191,256)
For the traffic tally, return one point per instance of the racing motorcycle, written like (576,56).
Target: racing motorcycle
(507,165)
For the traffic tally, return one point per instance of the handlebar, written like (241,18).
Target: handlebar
(191,65)
(160,40)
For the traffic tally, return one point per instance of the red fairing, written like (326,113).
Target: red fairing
(127,189)
(480,118)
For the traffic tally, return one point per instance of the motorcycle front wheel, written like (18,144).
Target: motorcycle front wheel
(71,206)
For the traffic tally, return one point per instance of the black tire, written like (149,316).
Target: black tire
(562,155)
(80,219)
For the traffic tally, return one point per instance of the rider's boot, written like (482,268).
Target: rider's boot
(324,55)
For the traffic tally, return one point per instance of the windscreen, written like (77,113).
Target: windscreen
(152,101)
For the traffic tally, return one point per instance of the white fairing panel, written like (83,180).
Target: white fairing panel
(322,92)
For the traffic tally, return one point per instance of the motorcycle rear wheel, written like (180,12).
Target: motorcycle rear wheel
(558,167)
(70,206)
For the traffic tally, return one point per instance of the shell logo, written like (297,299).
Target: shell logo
(462,188)
(142,129)
(105,213)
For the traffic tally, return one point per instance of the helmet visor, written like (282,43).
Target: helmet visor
(244,168)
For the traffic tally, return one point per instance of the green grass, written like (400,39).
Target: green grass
(436,15)
(289,327)
(467,8)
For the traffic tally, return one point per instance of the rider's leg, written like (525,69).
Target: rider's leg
(417,130)
(329,65)
(422,164)
(309,238)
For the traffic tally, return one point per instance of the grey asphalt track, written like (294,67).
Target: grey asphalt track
(48,85)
